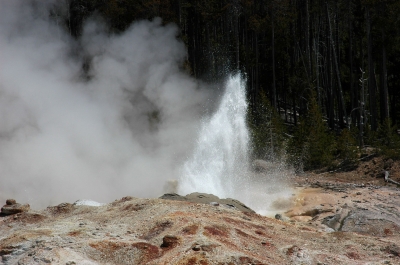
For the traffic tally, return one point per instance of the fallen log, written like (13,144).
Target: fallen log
(387,179)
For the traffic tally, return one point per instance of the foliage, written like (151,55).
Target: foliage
(267,131)
(298,146)
(370,136)
(347,147)
(388,140)
(312,145)
(285,48)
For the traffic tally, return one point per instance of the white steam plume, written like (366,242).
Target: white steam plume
(122,131)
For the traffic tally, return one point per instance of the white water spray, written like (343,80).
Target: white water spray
(219,162)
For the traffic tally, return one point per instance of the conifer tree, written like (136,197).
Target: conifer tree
(312,145)
(388,140)
(347,147)
(267,131)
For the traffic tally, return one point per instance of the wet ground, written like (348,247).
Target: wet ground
(360,200)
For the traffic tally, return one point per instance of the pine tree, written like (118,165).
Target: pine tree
(347,147)
(312,145)
(388,140)
(267,131)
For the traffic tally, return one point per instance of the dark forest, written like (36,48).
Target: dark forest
(323,76)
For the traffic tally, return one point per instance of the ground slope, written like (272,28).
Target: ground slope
(335,218)
(157,231)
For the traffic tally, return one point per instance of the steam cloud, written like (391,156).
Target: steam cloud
(122,127)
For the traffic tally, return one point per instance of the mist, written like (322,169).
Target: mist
(99,117)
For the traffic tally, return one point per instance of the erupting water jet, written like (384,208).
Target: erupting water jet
(220,162)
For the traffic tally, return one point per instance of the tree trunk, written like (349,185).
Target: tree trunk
(273,65)
(308,53)
(371,76)
(341,103)
(353,92)
(256,66)
(316,55)
(330,97)
(362,115)
(384,86)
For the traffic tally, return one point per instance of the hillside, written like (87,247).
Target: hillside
(335,218)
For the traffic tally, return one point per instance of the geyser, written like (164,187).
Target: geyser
(121,125)
(219,163)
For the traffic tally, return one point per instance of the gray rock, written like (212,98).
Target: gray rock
(374,222)
(205,198)
(370,223)
(202,198)
(281,217)
(15,208)
(336,221)
(173,196)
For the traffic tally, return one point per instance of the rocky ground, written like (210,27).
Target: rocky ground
(335,218)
